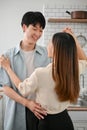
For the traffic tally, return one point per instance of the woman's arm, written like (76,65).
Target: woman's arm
(24,87)
(5,63)
(32,105)
(36,108)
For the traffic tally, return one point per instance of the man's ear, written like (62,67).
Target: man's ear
(24,27)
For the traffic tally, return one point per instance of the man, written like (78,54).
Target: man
(24,58)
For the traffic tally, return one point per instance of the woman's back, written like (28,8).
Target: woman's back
(42,83)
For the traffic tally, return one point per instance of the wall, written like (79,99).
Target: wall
(56,11)
(59,11)
(10,18)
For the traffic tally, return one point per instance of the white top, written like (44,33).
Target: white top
(42,83)
(29,60)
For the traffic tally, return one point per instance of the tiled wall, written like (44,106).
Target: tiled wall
(59,11)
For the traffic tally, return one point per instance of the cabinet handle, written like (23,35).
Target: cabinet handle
(1,97)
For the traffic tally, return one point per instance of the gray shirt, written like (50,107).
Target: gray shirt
(15,117)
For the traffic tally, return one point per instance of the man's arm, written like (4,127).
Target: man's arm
(36,108)
(81,53)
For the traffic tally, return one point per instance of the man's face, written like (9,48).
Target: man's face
(32,33)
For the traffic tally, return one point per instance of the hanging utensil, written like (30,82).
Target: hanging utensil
(82,40)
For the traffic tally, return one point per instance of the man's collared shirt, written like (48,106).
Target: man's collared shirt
(15,112)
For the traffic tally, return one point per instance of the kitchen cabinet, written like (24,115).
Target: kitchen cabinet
(79,119)
(80,125)
(58,20)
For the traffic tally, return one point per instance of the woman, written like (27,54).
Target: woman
(57,85)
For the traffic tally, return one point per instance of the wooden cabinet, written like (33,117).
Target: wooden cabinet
(79,119)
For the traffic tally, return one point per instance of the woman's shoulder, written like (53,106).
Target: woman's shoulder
(44,69)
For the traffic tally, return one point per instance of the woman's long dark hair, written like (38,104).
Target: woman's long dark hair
(65,67)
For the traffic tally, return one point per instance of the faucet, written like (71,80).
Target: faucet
(82,77)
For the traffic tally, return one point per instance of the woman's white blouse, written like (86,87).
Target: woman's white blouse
(42,83)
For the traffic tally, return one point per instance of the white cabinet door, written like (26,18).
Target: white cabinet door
(80,125)
(79,119)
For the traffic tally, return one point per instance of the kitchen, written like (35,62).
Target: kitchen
(53,10)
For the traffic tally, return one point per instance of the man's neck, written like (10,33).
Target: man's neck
(27,47)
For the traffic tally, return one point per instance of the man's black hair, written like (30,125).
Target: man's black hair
(33,18)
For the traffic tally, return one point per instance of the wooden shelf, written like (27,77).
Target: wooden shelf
(63,20)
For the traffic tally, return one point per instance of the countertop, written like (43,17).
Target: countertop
(77,108)
(80,105)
